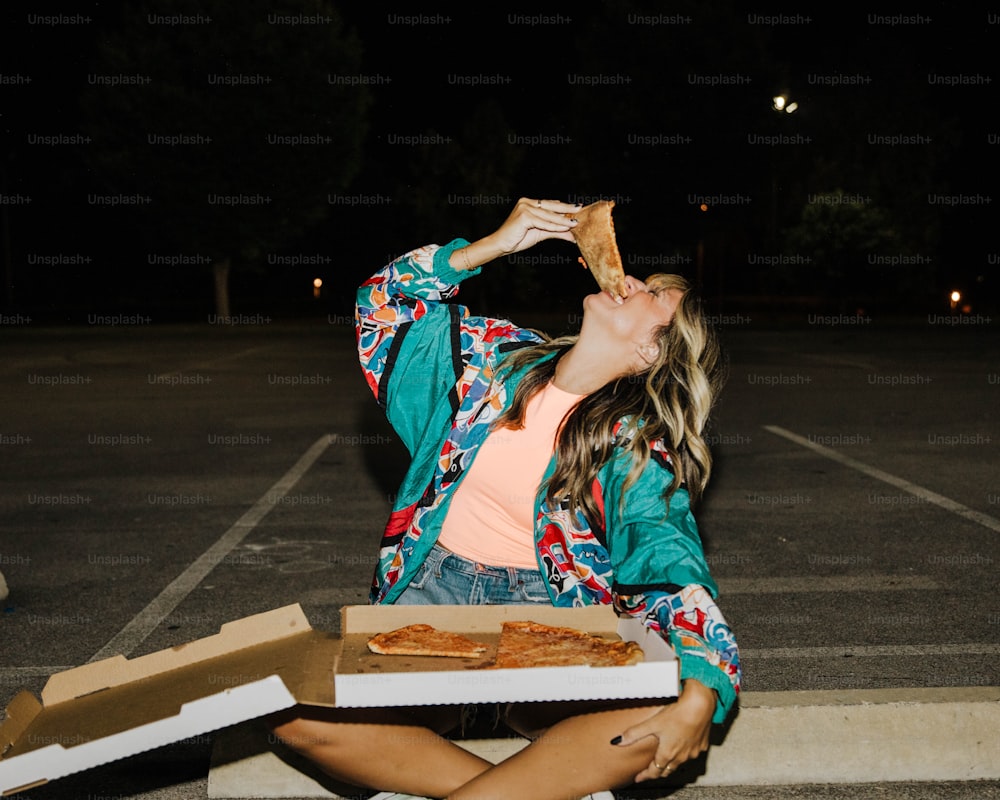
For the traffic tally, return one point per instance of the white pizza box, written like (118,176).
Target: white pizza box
(118,707)
(364,679)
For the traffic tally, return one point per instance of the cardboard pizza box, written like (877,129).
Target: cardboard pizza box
(365,679)
(118,707)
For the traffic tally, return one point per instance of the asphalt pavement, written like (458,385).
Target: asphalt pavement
(159,481)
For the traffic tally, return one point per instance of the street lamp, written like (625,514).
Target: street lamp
(780,104)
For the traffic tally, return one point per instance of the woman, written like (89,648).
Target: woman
(554,471)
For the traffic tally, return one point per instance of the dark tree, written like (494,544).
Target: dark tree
(833,247)
(226,129)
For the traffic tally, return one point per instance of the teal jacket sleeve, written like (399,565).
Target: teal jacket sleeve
(661,576)
(418,352)
(404,343)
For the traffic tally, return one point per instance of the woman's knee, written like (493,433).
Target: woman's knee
(302,734)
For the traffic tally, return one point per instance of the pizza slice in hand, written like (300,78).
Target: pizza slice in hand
(595,236)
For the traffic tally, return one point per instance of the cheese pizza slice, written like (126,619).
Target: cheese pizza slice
(595,236)
(532,644)
(424,640)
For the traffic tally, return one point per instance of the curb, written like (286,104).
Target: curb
(859,736)
(776,738)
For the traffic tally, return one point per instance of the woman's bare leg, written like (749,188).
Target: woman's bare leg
(396,750)
(572,758)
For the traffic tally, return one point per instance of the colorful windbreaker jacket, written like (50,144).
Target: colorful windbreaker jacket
(433,367)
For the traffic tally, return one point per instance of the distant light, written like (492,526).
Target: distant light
(703,206)
(780,103)
(956,296)
(318,282)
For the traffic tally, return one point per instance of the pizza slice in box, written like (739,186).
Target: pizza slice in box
(522,644)
(532,644)
(424,640)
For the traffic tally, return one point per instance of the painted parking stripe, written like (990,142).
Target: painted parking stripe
(828,583)
(874,651)
(20,673)
(210,363)
(146,621)
(901,483)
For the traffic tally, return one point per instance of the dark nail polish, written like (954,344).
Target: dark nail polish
(616,740)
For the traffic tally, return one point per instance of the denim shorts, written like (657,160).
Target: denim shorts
(446,578)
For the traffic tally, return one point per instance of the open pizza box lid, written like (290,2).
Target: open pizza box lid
(118,707)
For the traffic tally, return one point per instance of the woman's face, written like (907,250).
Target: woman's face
(633,322)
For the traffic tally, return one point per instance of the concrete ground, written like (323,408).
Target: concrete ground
(161,481)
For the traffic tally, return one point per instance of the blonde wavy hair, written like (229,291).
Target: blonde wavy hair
(670,402)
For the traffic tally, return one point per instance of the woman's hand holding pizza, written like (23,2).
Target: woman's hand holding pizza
(531,222)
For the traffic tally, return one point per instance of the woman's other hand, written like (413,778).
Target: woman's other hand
(681,730)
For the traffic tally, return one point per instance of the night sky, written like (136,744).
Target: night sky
(144,142)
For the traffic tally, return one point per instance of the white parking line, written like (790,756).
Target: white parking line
(827,583)
(146,621)
(164,376)
(874,651)
(30,672)
(925,494)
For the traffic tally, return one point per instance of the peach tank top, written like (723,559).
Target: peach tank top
(491,517)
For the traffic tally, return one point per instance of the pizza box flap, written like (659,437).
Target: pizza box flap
(21,712)
(118,707)
(364,679)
